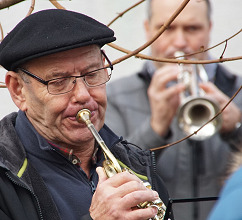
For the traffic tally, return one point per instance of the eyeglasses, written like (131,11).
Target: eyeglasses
(64,85)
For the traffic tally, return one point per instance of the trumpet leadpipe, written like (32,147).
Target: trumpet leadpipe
(111,165)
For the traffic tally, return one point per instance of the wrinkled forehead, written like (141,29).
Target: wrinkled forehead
(77,59)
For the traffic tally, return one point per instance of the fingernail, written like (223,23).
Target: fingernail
(156,195)
(155,210)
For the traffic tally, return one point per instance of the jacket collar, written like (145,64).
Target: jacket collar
(30,138)
(11,149)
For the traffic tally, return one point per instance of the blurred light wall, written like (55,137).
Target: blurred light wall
(226,16)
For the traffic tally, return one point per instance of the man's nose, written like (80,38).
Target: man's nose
(81,91)
(180,39)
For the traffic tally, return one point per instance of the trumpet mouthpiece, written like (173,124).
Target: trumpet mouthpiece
(179,55)
(83,115)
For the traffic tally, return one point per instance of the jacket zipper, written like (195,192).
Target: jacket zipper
(23,186)
(154,169)
(93,187)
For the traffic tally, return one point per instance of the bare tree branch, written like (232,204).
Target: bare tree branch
(1,30)
(142,56)
(160,31)
(125,11)
(2,85)
(31,8)
(167,60)
(8,3)
(56,4)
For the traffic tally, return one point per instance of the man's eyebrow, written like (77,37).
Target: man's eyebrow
(58,74)
(91,67)
(55,74)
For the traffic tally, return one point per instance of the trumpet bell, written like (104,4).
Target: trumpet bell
(194,113)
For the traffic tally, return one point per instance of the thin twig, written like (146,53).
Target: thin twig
(124,12)
(8,3)
(142,56)
(31,8)
(161,30)
(225,47)
(195,132)
(1,30)
(2,85)
(167,60)
(223,41)
(216,45)
(57,5)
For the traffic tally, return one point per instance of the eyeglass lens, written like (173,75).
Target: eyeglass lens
(92,79)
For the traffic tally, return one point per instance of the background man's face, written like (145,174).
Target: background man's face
(189,32)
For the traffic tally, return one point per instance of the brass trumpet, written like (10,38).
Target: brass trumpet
(196,109)
(112,167)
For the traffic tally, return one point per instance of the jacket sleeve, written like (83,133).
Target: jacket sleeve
(15,201)
(234,138)
(3,216)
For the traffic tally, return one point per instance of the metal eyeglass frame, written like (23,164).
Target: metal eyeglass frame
(47,82)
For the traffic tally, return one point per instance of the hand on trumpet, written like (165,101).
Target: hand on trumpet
(117,197)
(231,114)
(164,101)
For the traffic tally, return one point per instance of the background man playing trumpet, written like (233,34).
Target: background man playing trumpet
(48,159)
(143,107)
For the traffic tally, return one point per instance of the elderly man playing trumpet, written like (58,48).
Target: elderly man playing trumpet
(50,161)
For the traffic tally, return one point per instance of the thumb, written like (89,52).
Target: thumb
(208,87)
(101,174)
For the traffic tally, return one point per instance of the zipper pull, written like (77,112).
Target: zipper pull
(93,187)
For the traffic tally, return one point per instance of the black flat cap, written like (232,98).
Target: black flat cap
(50,31)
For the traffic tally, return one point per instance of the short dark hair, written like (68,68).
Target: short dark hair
(149,11)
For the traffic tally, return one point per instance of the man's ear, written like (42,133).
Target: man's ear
(147,29)
(210,26)
(15,86)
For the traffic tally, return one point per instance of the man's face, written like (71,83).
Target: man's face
(188,32)
(53,116)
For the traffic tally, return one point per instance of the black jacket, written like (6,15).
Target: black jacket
(23,194)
